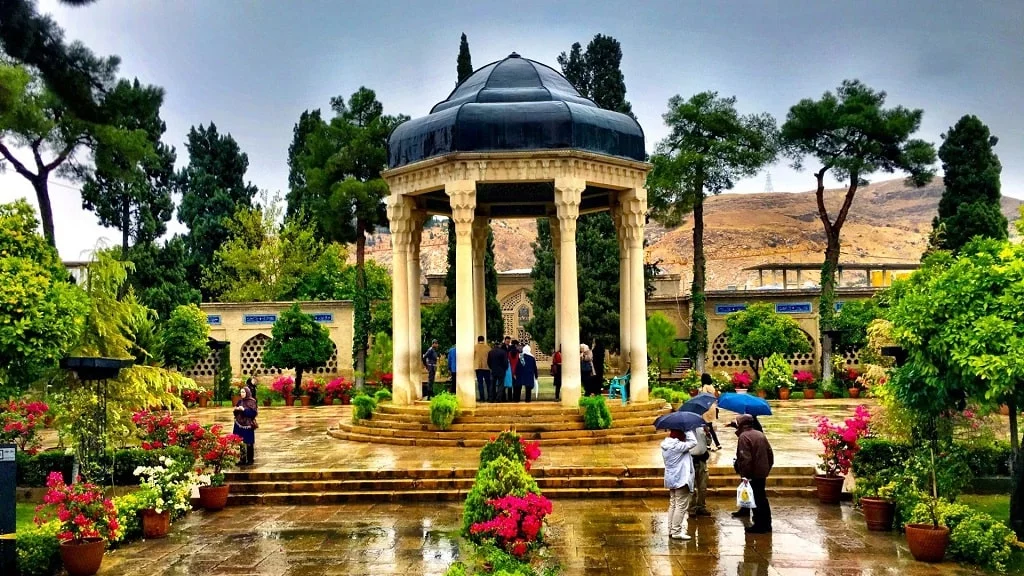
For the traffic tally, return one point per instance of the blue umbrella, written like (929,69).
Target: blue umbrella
(744,404)
(699,404)
(684,421)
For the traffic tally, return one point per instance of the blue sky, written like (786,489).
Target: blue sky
(253,67)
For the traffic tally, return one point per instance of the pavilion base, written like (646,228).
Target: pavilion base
(546,422)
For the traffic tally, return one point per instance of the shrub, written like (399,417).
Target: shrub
(363,407)
(517,527)
(283,386)
(663,393)
(339,387)
(508,444)
(34,470)
(740,380)
(39,550)
(382,395)
(776,374)
(988,460)
(839,441)
(20,422)
(121,464)
(596,415)
(974,537)
(500,477)
(128,508)
(444,408)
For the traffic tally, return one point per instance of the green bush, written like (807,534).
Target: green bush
(506,444)
(363,407)
(596,415)
(663,393)
(489,559)
(500,477)
(382,395)
(39,550)
(128,508)
(974,537)
(33,470)
(776,374)
(988,460)
(118,465)
(444,408)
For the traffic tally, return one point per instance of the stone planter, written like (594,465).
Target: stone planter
(854,392)
(926,542)
(878,513)
(810,394)
(155,525)
(784,393)
(83,559)
(830,488)
(214,498)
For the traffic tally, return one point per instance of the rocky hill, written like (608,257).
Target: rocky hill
(889,222)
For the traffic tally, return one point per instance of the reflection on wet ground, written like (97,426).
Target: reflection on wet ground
(588,537)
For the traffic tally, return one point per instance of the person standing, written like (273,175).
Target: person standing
(497,363)
(483,374)
(675,451)
(556,373)
(451,368)
(586,369)
(754,461)
(527,373)
(430,363)
(513,363)
(700,455)
(245,425)
(598,366)
(708,387)
(250,383)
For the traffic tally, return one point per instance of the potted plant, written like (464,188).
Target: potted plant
(928,542)
(741,382)
(87,520)
(163,489)
(341,389)
(853,381)
(283,386)
(806,381)
(236,385)
(313,389)
(878,503)
(839,444)
(776,377)
(204,398)
(216,452)
(829,389)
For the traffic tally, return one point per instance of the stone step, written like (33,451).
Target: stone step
(464,484)
(590,440)
(517,409)
(311,498)
(365,428)
(404,422)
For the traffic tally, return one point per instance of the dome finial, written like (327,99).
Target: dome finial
(514,55)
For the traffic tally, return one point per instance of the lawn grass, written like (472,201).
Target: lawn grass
(24,512)
(995,505)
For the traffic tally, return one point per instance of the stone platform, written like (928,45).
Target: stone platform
(546,422)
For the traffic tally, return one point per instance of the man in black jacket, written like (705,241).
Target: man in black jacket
(497,362)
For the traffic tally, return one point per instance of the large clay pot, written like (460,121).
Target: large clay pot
(155,525)
(762,393)
(827,394)
(203,401)
(926,542)
(830,488)
(289,400)
(83,559)
(694,392)
(878,513)
(810,393)
(783,393)
(305,400)
(213,497)
(854,392)
(1004,410)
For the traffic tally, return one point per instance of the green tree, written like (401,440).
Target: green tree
(42,314)
(212,189)
(464,63)
(542,294)
(852,135)
(970,202)
(597,72)
(131,191)
(299,342)
(183,338)
(958,318)
(709,146)
(342,163)
(160,277)
(381,355)
(662,346)
(852,322)
(759,331)
(295,200)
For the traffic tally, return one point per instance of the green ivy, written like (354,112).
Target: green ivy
(444,408)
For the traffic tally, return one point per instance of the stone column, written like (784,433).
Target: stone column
(480,231)
(634,213)
(415,293)
(462,195)
(556,250)
(568,193)
(624,286)
(400,216)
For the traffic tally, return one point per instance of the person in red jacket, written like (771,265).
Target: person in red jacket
(754,461)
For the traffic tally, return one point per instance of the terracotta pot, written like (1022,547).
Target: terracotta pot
(926,542)
(304,400)
(762,393)
(268,402)
(1004,410)
(203,401)
(827,394)
(694,392)
(213,497)
(854,392)
(830,488)
(155,525)
(878,513)
(783,393)
(345,400)
(83,559)
(810,394)
(289,400)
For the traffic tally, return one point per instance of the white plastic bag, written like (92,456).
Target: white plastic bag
(744,495)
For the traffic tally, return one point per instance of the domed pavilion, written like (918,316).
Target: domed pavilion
(515,140)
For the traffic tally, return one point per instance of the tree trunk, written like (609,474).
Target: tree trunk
(826,304)
(125,225)
(698,316)
(41,186)
(361,316)
(1017,474)
(298,382)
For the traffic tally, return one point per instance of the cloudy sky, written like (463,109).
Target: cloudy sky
(253,66)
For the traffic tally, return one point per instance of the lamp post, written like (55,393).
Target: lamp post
(94,370)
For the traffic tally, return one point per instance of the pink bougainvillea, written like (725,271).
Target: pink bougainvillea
(20,421)
(80,508)
(741,380)
(804,378)
(531,450)
(840,441)
(283,385)
(518,524)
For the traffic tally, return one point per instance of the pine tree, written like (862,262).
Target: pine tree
(970,203)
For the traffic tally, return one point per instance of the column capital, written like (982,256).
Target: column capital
(633,214)
(418,218)
(481,228)
(462,197)
(400,218)
(568,196)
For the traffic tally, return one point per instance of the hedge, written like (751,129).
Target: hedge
(33,470)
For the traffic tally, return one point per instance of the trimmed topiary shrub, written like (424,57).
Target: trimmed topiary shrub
(382,395)
(500,477)
(507,444)
(662,393)
(444,408)
(596,415)
(363,407)
(39,550)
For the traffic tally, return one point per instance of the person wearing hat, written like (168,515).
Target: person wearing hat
(754,461)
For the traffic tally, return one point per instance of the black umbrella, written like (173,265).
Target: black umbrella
(684,421)
(699,404)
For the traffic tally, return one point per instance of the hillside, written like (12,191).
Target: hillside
(889,222)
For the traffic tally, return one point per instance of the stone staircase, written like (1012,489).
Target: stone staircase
(301,487)
(545,422)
